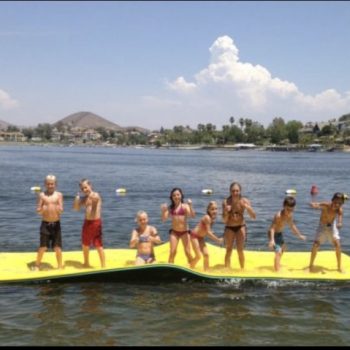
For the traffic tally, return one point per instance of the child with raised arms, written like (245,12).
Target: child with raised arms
(179,213)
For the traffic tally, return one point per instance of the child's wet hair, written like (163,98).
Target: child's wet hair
(50,177)
(172,205)
(83,181)
(289,202)
(236,184)
(139,213)
(210,205)
(338,195)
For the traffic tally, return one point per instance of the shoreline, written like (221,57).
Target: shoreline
(235,147)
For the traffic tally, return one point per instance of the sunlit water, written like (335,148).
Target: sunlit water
(188,313)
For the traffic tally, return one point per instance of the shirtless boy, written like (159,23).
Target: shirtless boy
(282,218)
(92,227)
(50,207)
(143,238)
(233,209)
(198,234)
(331,220)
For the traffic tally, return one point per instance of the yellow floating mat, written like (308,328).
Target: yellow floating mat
(17,267)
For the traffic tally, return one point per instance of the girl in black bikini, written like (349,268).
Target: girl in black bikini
(233,209)
(179,212)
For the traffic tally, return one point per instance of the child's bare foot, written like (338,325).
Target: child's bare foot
(312,269)
(194,262)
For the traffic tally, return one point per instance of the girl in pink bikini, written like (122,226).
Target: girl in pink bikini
(179,212)
(199,233)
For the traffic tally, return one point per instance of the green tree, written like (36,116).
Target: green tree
(293,128)
(28,133)
(44,131)
(12,128)
(255,133)
(277,130)
(103,132)
(241,122)
(328,130)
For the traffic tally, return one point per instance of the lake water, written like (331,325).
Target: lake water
(188,313)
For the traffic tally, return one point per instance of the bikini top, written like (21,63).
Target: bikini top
(178,212)
(143,239)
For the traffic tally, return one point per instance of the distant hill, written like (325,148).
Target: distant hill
(86,120)
(3,125)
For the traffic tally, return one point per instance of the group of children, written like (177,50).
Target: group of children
(145,236)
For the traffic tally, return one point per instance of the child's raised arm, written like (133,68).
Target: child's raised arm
(191,212)
(164,212)
(134,239)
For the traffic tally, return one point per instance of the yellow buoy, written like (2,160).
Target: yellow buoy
(207,191)
(35,188)
(120,190)
(291,192)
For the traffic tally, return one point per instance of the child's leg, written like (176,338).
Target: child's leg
(139,261)
(240,239)
(277,264)
(58,252)
(186,241)
(39,257)
(197,252)
(173,246)
(101,254)
(205,253)
(278,256)
(337,246)
(314,250)
(86,250)
(228,235)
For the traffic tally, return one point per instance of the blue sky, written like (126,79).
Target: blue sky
(170,63)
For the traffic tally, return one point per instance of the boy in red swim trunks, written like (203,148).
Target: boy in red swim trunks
(92,227)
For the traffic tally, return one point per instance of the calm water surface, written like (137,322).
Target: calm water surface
(188,313)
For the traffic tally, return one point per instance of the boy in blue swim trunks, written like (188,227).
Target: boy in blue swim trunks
(282,218)
(143,238)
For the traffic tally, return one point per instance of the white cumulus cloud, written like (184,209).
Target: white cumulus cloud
(6,101)
(229,86)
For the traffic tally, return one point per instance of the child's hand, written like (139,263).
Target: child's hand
(163,207)
(228,208)
(302,237)
(189,201)
(339,225)
(271,244)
